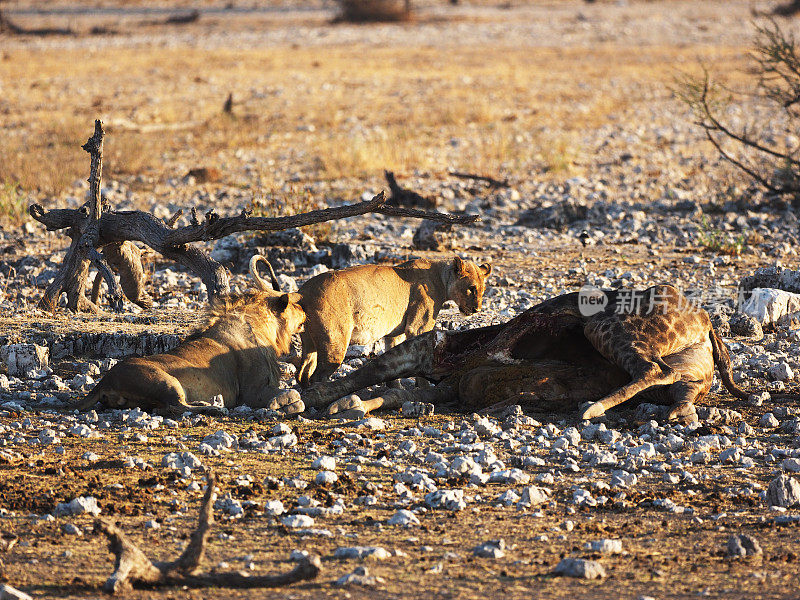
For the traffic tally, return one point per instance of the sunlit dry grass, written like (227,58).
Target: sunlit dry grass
(344,112)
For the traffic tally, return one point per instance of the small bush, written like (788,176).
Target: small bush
(716,240)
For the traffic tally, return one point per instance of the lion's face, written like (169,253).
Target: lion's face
(468,285)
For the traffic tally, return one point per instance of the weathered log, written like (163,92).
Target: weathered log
(132,568)
(126,259)
(491,181)
(84,231)
(94,226)
(8,26)
(405,197)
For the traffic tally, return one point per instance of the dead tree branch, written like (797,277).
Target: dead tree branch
(772,165)
(95,226)
(405,197)
(491,181)
(84,232)
(132,568)
(8,26)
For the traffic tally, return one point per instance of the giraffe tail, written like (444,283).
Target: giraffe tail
(723,361)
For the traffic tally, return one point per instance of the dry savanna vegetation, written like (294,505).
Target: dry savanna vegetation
(603,177)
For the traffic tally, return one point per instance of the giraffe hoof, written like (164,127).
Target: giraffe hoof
(343,404)
(595,409)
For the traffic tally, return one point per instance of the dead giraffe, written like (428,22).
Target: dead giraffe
(653,342)
(659,338)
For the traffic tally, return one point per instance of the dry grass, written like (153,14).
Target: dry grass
(343,113)
(13,206)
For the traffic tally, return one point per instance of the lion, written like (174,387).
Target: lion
(362,304)
(233,356)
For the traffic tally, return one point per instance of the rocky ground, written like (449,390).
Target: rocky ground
(452,504)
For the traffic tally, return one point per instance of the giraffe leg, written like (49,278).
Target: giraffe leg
(645,374)
(696,366)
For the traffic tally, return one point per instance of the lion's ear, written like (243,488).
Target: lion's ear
(458,266)
(486,269)
(282,303)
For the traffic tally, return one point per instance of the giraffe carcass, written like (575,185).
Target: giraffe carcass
(653,344)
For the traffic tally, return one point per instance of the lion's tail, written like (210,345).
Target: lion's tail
(260,281)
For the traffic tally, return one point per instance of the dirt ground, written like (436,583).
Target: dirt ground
(556,96)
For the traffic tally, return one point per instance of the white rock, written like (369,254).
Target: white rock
(371,423)
(360,575)
(47,437)
(230,506)
(730,456)
(780,372)
(578,567)
(71,529)
(220,441)
(287,440)
(324,463)
(403,518)
(605,546)
(78,506)
(743,545)
(783,491)
(508,498)
(534,496)
(510,476)
(362,552)
(769,421)
(281,429)
(490,549)
(326,478)
(623,479)
(21,358)
(447,499)
(274,508)
(791,464)
(767,305)
(297,521)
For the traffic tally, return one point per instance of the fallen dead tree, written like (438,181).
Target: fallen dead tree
(132,568)
(553,358)
(8,26)
(95,226)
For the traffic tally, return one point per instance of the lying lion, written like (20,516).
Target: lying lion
(362,304)
(234,356)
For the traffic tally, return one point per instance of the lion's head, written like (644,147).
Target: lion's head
(468,284)
(273,318)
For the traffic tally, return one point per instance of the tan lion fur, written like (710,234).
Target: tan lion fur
(234,355)
(362,304)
